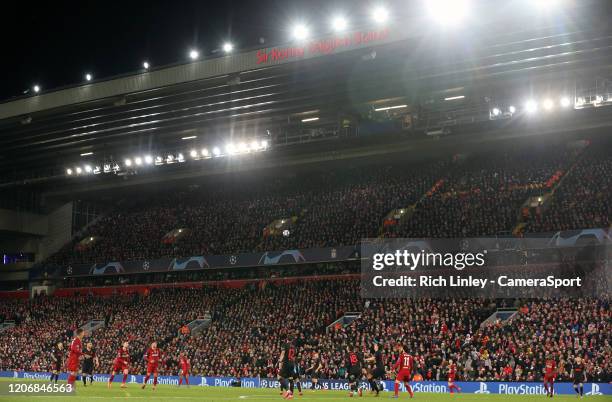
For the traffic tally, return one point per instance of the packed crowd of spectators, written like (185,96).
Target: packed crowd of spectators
(583,200)
(483,195)
(250,324)
(467,195)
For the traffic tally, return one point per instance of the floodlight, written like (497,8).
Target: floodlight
(243,147)
(194,54)
(448,12)
(300,32)
(36,89)
(565,101)
(88,77)
(148,159)
(531,106)
(88,168)
(264,144)
(138,160)
(204,152)
(339,23)
(380,14)
(512,109)
(216,151)
(193,153)
(180,158)
(496,111)
(228,47)
(69,171)
(128,162)
(145,65)
(254,145)
(78,170)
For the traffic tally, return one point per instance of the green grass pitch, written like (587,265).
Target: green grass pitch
(167,393)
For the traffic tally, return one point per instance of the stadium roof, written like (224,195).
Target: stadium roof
(250,93)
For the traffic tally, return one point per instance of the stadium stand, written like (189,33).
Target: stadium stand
(478,195)
(251,323)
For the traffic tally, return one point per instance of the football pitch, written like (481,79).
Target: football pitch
(99,392)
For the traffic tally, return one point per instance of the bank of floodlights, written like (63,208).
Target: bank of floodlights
(137,162)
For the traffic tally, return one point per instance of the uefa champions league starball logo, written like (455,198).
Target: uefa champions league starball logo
(233,259)
(145,265)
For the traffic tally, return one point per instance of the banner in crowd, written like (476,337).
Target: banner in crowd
(291,257)
(505,388)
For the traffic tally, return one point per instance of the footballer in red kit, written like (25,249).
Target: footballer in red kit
(404,366)
(74,356)
(550,374)
(121,365)
(153,358)
(452,373)
(184,371)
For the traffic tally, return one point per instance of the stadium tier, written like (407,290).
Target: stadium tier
(461,195)
(250,324)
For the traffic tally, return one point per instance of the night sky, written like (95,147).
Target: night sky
(56,42)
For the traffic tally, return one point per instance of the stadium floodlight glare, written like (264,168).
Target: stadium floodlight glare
(180,158)
(496,111)
(69,172)
(79,170)
(138,161)
(191,137)
(548,104)
(128,162)
(243,147)
(456,97)
(512,109)
(565,102)
(264,144)
(447,12)
(339,23)
(531,106)
(380,15)
(382,109)
(159,160)
(254,145)
(309,119)
(204,152)
(86,153)
(145,65)
(88,168)
(216,151)
(148,159)
(194,54)
(300,32)
(193,153)
(544,4)
(36,89)
(228,47)
(230,148)
(88,77)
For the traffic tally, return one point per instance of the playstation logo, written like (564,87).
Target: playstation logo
(594,390)
(483,389)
